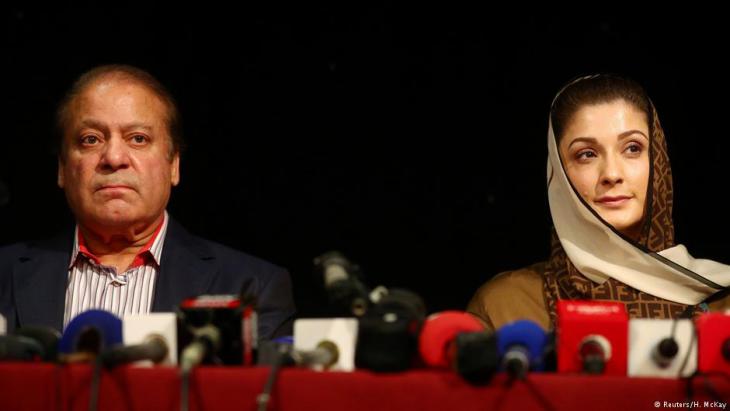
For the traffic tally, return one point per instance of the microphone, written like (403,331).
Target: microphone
(713,340)
(235,323)
(663,353)
(662,348)
(457,340)
(19,348)
(160,327)
(154,349)
(387,338)
(347,295)
(325,356)
(594,351)
(206,341)
(47,337)
(592,337)
(325,343)
(522,346)
(280,352)
(88,334)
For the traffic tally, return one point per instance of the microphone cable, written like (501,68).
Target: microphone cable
(688,313)
(263,399)
(96,371)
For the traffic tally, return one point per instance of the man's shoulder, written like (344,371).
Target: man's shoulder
(229,260)
(60,242)
(10,253)
(227,255)
(13,250)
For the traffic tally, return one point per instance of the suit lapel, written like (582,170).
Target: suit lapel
(39,281)
(187,269)
(40,276)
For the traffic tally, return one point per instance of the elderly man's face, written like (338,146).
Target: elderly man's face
(117,170)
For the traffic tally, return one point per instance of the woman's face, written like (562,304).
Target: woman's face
(605,151)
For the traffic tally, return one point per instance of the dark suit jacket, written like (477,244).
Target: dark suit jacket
(33,280)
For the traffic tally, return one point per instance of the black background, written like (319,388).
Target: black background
(410,137)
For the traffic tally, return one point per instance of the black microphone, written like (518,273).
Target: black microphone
(154,349)
(30,343)
(387,337)
(594,351)
(19,348)
(233,317)
(347,295)
(665,352)
(47,337)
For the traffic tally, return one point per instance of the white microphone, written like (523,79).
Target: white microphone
(662,348)
(326,343)
(139,329)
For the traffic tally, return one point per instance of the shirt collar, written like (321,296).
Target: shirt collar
(150,253)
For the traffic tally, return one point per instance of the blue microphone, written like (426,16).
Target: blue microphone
(521,346)
(88,334)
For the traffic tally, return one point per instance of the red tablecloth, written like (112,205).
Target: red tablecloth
(49,387)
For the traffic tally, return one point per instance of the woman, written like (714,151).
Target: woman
(610,195)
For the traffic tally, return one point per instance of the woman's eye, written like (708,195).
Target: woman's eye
(584,155)
(634,148)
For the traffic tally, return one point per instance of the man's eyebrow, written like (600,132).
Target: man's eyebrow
(143,126)
(93,123)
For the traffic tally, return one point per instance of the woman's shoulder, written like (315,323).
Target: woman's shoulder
(511,296)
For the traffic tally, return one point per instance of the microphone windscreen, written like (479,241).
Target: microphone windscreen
(19,348)
(387,338)
(527,334)
(439,330)
(106,325)
(47,337)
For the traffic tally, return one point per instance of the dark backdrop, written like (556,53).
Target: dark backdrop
(412,138)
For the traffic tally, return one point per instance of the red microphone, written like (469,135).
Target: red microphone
(592,337)
(455,339)
(713,337)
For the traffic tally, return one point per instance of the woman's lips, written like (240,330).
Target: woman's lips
(613,201)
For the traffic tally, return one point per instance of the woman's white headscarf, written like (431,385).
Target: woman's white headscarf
(599,252)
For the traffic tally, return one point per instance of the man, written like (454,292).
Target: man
(118,161)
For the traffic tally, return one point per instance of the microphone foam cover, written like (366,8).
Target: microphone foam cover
(439,330)
(527,334)
(108,326)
